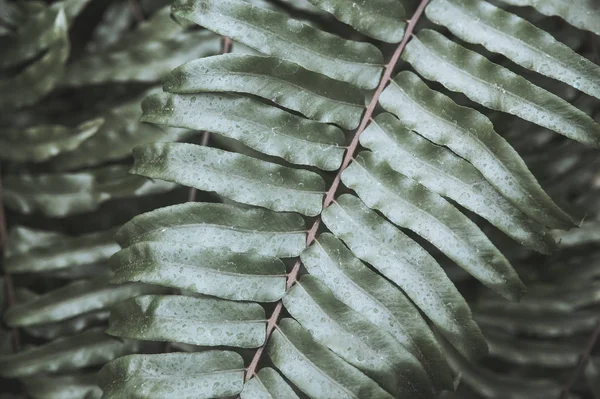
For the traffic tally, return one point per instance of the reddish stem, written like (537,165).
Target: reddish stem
(330,194)
(583,360)
(137,11)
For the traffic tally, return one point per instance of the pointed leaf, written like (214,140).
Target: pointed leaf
(360,343)
(198,321)
(283,82)
(495,87)
(238,177)
(274,33)
(60,195)
(234,276)
(314,369)
(408,204)
(90,348)
(471,135)
(219,226)
(75,386)
(40,143)
(267,384)
(261,127)
(378,300)
(480,22)
(443,172)
(404,262)
(203,375)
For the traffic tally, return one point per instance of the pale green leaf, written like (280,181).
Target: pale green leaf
(283,82)
(360,343)
(408,204)
(198,321)
(37,251)
(73,299)
(316,370)
(75,386)
(480,22)
(261,127)
(267,384)
(220,273)
(63,194)
(68,327)
(274,33)
(70,353)
(404,262)
(380,19)
(219,226)
(203,375)
(471,135)
(587,233)
(495,87)
(39,143)
(443,172)
(584,14)
(377,300)
(235,176)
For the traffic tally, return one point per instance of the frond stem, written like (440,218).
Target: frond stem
(330,194)
(583,361)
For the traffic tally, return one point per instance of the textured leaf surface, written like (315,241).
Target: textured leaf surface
(360,343)
(198,321)
(259,126)
(267,384)
(314,369)
(34,251)
(40,143)
(273,33)
(471,135)
(380,19)
(499,31)
(408,204)
(443,172)
(71,300)
(70,353)
(404,262)
(378,300)
(495,87)
(74,386)
(204,375)
(584,14)
(235,276)
(219,226)
(238,177)
(283,82)
(60,195)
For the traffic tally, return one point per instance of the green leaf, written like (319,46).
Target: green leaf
(443,172)
(471,135)
(35,251)
(219,226)
(74,352)
(408,204)
(71,300)
(68,327)
(480,22)
(495,87)
(403,261)
(238,177)
(40,143)
(283,82)
(274,33)
(198,321)
(314,369)
(203,375)
(267,384)
(377,300)
(60,195)
(220,273)
(584,14)
(360,343)
(380,19)
(261,127)
(75,386)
